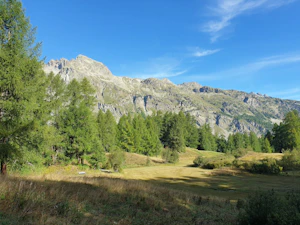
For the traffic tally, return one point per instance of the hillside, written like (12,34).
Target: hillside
(225,110)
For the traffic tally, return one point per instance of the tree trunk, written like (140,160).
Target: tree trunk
(3,168)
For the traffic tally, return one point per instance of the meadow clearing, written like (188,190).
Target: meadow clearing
(144,193)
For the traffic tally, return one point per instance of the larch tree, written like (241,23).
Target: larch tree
(22,80)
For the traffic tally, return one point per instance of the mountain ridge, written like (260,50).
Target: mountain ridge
(227,111)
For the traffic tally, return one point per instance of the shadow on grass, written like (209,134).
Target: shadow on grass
(101,200)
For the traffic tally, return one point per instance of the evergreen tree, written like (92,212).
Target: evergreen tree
(191,134)
(78,125)
(107,129)
(287,133)
(238,140)
(266,146)
(176,140)
(22,81)
(221,143)
(140,134)
(254,142)
(126,134)
(246,140)
(153,142)
(207,140)
(230,144)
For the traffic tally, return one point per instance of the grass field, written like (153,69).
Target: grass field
(226,182)
(155,194)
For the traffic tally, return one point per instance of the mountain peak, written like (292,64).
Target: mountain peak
(77,68)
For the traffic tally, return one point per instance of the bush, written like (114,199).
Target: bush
(265,166)
(116,160)
(240,152)
(291,160)
(199,161)
(170,156)
(266,208)
(215,162)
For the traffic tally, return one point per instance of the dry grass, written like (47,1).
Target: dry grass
(159,194)
(104,200)
(255,156)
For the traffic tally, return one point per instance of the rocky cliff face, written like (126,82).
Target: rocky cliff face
(225,110)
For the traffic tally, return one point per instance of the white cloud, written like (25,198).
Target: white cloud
(161,67)
(292,93)
(249,69)
(227,10)
(202,52)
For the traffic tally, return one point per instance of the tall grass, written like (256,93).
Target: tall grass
(104,200)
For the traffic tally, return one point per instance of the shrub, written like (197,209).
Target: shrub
(215,162)
(291,160)
(170,156)
(116,160)
(265,208)
(240,152)
(199,161)
(265,166)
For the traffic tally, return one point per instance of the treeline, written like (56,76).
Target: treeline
(68,131)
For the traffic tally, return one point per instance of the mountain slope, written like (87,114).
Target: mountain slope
(225,110)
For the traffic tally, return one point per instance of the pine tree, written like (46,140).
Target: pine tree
(238,140)
(254,142)
(246,140)
(153,142)
(230,144)
(176,140)
(107,129)
(22,81)
(266,147)
(78,125)
(221,143)
(191,134)
(207,140)
(126,134)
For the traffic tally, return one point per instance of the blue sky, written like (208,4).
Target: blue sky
(248,45)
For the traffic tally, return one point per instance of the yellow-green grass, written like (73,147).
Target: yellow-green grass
(256,156)
(105,200)
(225,182)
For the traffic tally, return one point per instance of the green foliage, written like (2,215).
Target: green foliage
(77,124)
(107,129)
(266,146)
(240,152)
(291,160)
(207,140)
(214,162)
(116,160)
(265,166)
(286,135)
(254,142)
(22,81)
(199,161)
(126,134)
(267,208)
(170,155)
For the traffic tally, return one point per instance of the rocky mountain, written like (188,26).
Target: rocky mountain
(225,110)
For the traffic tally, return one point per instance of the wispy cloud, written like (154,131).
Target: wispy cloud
(249,69)
(227,10)
(161,67)
(197,52)
(292,93)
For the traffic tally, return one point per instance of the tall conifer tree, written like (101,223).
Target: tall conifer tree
(22,81)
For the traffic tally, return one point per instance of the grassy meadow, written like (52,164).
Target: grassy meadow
(148,191)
